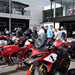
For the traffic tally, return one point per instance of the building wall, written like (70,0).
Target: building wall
(36,8)
(4,23)
(56,7)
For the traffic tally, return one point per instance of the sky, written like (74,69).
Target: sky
(43,2)
(39,2)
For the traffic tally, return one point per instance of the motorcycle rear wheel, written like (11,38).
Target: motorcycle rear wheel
(2,60)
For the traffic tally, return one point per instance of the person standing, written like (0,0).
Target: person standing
(61,34)
(6,32)
(50,36)
(64,34)
(19,32)
(40,41)
(34,33)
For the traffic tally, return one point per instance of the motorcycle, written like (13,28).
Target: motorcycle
(48,61)
(13,54)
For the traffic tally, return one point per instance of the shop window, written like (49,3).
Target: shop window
(47,14)
(59,12)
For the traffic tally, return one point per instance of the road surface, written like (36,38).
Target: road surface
(11,70)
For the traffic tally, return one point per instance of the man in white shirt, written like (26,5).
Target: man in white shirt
(41,38)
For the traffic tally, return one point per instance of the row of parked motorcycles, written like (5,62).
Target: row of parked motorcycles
(54,60)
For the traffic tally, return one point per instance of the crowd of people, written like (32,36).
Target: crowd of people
(45,35)
(48,34)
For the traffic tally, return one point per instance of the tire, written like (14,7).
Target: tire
(6,60)
(57,73)
(9,61)
(2,60)
(38,70)
(61,69)
(43,70)
(65,64)
(71,72)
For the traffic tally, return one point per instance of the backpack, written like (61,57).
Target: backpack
(63,35)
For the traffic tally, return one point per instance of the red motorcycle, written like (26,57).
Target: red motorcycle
(14,53)
(47,61)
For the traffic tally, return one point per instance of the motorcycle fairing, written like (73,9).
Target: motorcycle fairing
(51,58)
(9,50)
(37,52)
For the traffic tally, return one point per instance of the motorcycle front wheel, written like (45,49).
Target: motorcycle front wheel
(38,70)
(57,73)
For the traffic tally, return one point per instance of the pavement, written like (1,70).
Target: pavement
(72,64)
(11,70)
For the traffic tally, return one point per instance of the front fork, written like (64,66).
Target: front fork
(29,70)
(48,66)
